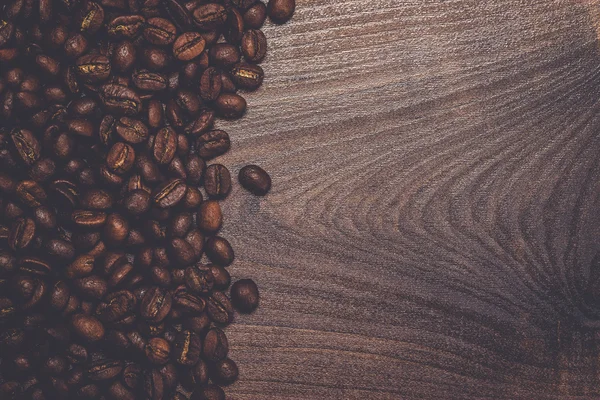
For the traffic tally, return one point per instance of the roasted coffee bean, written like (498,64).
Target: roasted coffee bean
(209,16)
(85,219)
(217,181)
(212,144)
(153,385)
(225,371)
(156,304)
(201,124)
(132,130)
(132,376)
(87,327)
(116,229)
(254,45)
(234,29)
(60,249)
(255,179)
(199,280)
(59,295)
(117,391)
(137,202)
(80,267)
(91,287)
(21,233)
(165,146)
(42,170)
(97,199)
(188,46)
(187,301)
(120,100)
(126,26)
(149,81)
(155,59)
(75,46)
(27,145)
(187,348)
(179,225)
(160,31)
(90,17)
(255,16)
(281,11)
(124,57)
(210,84)
(215,345)
(224,55)
(230,106)
(83,107)
(222,277)
(120,158)
(193,198)
(210,392)
(170,193)
(158,351)
(195,167)
(116,306)
(104,369)
(181,252)
(219,308)
(93,68)
(219,251)
(247,76)
(244,295)
(188,101)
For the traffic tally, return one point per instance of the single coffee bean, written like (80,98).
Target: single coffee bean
(198,324)
(97,199)
(210,392)
(27,145)
(217,181)
(60,249)
(155,58)
(93,68)
(153,385)
(21,234)
(255,179)
(224,55)
(116,229)
(215,346)
(210,217)
(43,170)
(225,371)
(187,348)
(107,129)
(85,219)
(91,287)
(281,11)
(137,202)
(165,146)
(181,252)
(179,225)
(199,280)
(126,26)
(222,277)
(149,81)
(255,16)
(244,295)
(132,130)
(230,106)
(247,76)
(117,391)
(83,107)
(209,16)
(234,29)
(87,327)
(120,158)
(187,301)
(193,198)
(219,251)
(160,31)
(195,167)
(170,193)
(210,84)
(188,46)
(212,144)
(116,306)
(201,124)
(158,351)
(80,127)
(75,46)
(89,19)
(156,304)
(254,45)
(120,100)
(124,57)
(104,369)
(219,308)
(188,101)
(132,376)
(243,4)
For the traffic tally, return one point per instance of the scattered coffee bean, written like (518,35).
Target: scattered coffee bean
(255,179)
(244,295)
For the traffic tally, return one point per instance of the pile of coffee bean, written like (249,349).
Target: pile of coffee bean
(113,279)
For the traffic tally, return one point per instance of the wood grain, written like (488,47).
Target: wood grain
(434,212)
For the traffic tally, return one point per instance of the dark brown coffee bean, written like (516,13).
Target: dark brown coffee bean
(215,346)
(224,55)
(219,308)
(81,127)
(80,267)
(116,306)
(165,145)
(201,124)
(91,287)
(199,280)
(193,198)
(244,295)
(247,76)
(21,234)
(137,202)
(87,327)
(177,169)
(281,11)
(126,26)
(124,57)
(87,241)
(27,145)
(255,16)
(160,31)
(77,354)
(83,107)
(209,16)
(120,158)
(158,351)
(48,65)
(243,4)
(225,372)
(196,239)
(181,252)
(155,59)
(75,46)
(86,219)
(120,275)
(210,392)
(210,84)
(153,385)
(170,193)
(254,45)
(97,199)
(230,106)
(132,376)
(217,181)
(60,249)
(255,179)
(221,275)
(104,369)
(116,229)
(45,218)
(219,251)
(155,114)
(188,101)
(107,128)
(132,130)
(120,100)
(212,144)
(210,217)
(156,304)
(235,26)
(109,177)
(188,46)
(43,170)
(89,19)
(93,68)
(150,81)
(179,225)
(187,348)
(54,365)
(175,114)
(119,392)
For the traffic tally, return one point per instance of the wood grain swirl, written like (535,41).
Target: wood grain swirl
(435,203)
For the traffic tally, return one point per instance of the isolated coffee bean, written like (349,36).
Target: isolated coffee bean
(244,295)
(255,179)
(280,11)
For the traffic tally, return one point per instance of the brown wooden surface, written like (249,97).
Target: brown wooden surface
(435,203)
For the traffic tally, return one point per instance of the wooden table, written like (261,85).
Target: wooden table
(435,207)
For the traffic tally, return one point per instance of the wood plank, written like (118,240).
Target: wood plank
(434,209)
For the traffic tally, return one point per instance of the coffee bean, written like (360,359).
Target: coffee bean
(85,219)
(119,392)
(255,16)
(247,76)
(149,81)
(230,106)
(97,199)
(93,68)
(156,304)
(165,145)
(217,181)
(160,31)
(201,124)
(137,202)
(126,26)
(210,392)
(212,144)
(21,233)
(60,249)
(210,16)
(254,45)
(215,346)
(188,46)
(116,306)
(104,369)
(170,193)
(120,100)
(255,179)
(132,376)
(210,217)
(120,158)
(87,327)
(199,280)
(224,55)
(27,145)
(222,277)
(181,252)
(244,295)
(89,18)
(153,385)
(210,84)
(91,287)
(281,11)
(158,351)
(187,348)
(219,308)
(116,229)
